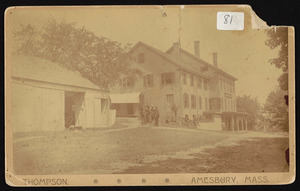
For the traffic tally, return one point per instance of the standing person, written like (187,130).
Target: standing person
(174,109)
(148,116)
(151,113)
(156,115)
(143,115)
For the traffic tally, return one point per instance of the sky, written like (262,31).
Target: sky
(242,54)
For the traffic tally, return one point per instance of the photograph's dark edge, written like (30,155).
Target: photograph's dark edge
(265,12)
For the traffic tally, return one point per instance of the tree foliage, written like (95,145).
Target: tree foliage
(99,59)
(276,111)
(278,38)
(251,106)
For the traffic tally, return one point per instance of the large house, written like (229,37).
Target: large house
(49,97)
(179,79)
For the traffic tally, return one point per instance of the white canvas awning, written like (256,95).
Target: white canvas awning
(125,98)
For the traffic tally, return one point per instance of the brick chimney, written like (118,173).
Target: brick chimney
(197,48)
(215,59)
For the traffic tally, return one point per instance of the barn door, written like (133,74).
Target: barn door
(104,111)
(100,112)
(97,111)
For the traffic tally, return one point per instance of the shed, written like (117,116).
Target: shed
(49,97)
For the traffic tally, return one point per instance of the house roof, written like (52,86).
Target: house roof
(34,68)
(181,64)
(199,60)
(160,53)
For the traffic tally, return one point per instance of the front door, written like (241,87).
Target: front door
(170,103)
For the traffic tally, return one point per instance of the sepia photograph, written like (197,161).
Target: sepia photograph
(148,95)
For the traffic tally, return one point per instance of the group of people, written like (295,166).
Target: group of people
(149,114)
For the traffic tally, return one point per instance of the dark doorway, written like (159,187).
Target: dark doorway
(73,103)
(69,110)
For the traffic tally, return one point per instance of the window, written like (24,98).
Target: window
(184,77)
(227,86)
(206,104)
(168,78)
(205,84)
(234,105)
(193,102)
(199,83)
(141,58)
(225,101)
(186,100)
(148,80)
(222,107)
(220,84)
(128,82)
(192,80)
(233,88)
(200,103)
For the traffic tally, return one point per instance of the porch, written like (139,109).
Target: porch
(234,121)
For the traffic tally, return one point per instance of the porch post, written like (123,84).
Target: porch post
(232,122)
(246,123)
(242,123)
(236,123)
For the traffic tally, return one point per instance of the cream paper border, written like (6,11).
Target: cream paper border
(150,179)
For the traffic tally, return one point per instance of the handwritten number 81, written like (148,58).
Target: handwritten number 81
(226,17)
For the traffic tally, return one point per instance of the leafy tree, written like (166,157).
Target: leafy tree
(278,38)
(26,40)
(99,59)
(251,106)
(275,111)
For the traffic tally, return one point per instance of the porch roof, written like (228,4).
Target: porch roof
(234,113)
(125,98)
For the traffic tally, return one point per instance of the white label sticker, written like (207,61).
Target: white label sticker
(230,21)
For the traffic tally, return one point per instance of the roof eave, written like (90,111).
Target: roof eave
(209,65)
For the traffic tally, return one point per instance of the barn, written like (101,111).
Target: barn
(49,97)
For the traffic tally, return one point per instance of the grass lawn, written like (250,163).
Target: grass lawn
(125,151)
(251,156)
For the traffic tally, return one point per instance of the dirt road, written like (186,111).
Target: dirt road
(148,150)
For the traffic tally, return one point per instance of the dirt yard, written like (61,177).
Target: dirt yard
(148,150)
